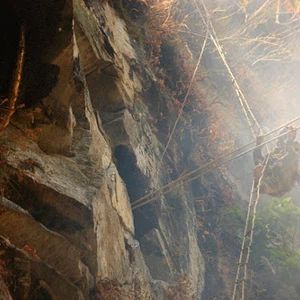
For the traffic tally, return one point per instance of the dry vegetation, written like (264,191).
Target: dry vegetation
(180,290)
(111,290)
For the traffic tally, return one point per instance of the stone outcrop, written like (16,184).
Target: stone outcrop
(75,159)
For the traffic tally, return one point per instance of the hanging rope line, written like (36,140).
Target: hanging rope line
(185,98)
(161,189)
(164,190)
(243,240)
(251,216)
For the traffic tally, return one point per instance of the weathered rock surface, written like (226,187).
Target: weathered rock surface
(76,159)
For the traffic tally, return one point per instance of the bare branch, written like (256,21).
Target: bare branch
(277,11)
(15,89)
(259,10)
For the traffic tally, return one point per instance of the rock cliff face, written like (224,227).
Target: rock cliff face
(77,155)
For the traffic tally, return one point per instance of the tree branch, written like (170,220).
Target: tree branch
(15,88)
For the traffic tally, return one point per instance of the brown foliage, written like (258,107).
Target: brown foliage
(180,290)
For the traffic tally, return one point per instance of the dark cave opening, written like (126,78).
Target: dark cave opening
(136,182)
(137,186)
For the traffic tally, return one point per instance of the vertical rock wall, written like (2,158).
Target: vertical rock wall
(75,157)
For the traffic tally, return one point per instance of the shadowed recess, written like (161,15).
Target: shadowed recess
(137,185)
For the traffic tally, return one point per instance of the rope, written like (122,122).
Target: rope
(209,164)
(185,98)
(246,233)
(135,205)
(252,226)
(243,242)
